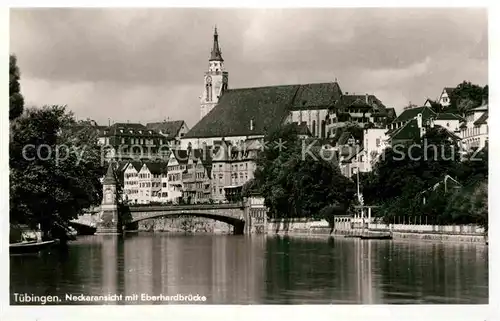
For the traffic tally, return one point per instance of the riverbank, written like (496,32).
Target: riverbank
(457,234)
(440,237)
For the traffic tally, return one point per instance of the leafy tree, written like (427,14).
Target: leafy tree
(352,128)
(54,175)
(297,184)
(16,100)
(466,96)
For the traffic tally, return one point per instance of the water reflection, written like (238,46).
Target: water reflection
(258,270)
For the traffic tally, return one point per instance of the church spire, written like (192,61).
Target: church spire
(216,54)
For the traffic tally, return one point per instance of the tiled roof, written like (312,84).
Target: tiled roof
(136,165)
(482,120)
(480,108)
(448,133)
(449,90)
(316,96)
(363,100)
(448,116)
(344,138)
(181,155)
(391,112)
(156,168)
(130,129)
(168,128)
(266,107)
(411,113)
(409,131)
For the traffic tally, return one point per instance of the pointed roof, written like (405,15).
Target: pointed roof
(109,179)
(411,113)
(448,116)
(409,131)
(156,167)
(170,129)
(216,54)
(482,120)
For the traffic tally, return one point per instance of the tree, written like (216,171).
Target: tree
(295,184)
(16,100)
(353,129)
(54,175)
(466,96)
(435,106)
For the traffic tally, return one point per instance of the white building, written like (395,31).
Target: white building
(375,141)
(173,131)
(445,97)
(131,182)
(177,164)
(150,179)
(474,130)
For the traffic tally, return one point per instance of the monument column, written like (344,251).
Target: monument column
(108,222)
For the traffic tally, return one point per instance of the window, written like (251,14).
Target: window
(377,142)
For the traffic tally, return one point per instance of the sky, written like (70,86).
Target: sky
(146,65)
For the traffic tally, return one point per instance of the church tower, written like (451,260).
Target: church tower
(216,79)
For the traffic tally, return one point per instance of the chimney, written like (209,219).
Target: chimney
(419,120)
(366,98)
(251,124)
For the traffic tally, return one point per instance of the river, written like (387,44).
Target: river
(230,269)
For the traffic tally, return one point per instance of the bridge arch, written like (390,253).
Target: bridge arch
(232,215)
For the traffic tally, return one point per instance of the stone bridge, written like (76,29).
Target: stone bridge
(233,214)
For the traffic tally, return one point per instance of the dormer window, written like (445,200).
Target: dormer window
(121,131)
(131,132)
(140,132)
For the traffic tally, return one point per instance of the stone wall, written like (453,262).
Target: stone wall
(298,226)
(183,224)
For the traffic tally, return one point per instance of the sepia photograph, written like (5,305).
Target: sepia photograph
(248,156)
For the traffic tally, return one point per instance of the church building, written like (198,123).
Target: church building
(238,115)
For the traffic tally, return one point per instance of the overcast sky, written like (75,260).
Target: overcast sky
(147,65)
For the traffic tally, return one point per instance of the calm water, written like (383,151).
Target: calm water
(229,269)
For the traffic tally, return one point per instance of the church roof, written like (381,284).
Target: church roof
(316,96)
(264,107)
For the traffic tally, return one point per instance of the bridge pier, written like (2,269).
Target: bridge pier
(239,229)
(109,222)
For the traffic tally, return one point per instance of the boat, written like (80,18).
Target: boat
(31,246)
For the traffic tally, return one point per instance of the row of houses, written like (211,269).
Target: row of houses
(189,176)
(470,131)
